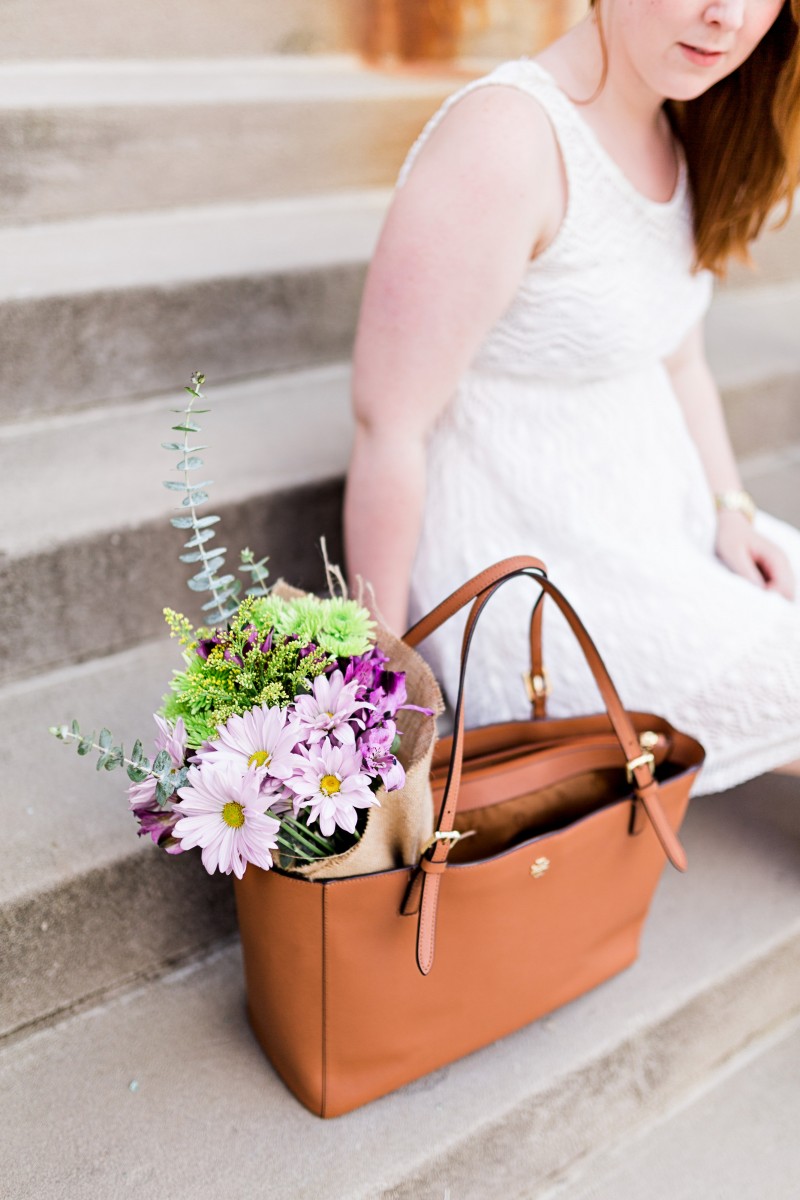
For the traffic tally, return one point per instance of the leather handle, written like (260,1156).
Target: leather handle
(537,662)
(424,888)
(468,591)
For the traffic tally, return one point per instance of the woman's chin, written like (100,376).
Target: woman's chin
(688,89)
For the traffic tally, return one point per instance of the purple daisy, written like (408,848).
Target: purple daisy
(222,811)
(330,711)
(330,782)
(260,740)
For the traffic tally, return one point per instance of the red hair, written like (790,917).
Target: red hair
(742,143)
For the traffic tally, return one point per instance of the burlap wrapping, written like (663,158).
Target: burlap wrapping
(395,832)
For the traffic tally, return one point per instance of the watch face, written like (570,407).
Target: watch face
(737,502)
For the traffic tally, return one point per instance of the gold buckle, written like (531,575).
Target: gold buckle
(646,759)
(447,835)
(537,686)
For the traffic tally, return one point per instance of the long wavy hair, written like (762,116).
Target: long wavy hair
(742,143)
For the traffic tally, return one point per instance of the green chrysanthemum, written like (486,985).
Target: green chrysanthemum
(347,629)
(269,612)
(229,671)
(304,617)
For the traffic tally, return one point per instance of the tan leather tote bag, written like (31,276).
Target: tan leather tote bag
(550,840)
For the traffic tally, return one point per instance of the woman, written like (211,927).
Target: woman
(530,375)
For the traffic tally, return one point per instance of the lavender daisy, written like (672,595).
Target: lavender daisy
(330,711)
(261,740)
(330,782)
(222,811)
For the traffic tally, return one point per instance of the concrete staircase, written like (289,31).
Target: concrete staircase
(210,209)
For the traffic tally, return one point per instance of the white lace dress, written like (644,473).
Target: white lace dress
(565,440)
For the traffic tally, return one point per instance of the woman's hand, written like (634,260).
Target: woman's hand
(751,555)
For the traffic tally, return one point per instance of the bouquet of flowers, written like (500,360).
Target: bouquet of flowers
(284,729)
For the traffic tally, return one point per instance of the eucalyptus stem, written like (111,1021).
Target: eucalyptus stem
(64,734)
(215,587)
(168,778)
(224,589)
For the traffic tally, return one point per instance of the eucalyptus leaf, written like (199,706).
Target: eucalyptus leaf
(203,535)
(172,446)
(136,775)
(163,793)
(189,464)
(175,485)
(162,762)
(188,427)
(195,498)
(197,556)
(228,591)
(212,565)
(104,740)
(181,522)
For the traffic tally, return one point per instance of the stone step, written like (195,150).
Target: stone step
(776,255)
(754,352)
(126,305)
(92,29)
(87,1102)
(85,904)
(94,555)
(774,481)
(129,306)
(736,1136)
(87,138)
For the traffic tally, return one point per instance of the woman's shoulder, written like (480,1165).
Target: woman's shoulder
(491,129)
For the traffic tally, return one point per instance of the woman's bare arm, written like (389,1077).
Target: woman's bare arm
(485,192)
(738,545)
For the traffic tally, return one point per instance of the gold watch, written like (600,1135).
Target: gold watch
(735,501)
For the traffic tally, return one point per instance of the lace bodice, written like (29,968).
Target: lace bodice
(586,308)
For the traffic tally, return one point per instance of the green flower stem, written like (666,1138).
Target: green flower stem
(307,838)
